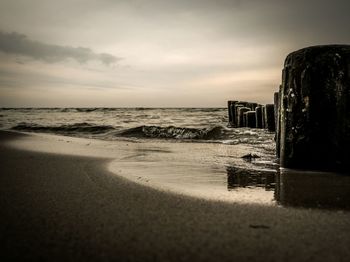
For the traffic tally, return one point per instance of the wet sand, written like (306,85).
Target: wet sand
(64,204)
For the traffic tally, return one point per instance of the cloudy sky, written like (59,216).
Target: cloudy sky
(155,53)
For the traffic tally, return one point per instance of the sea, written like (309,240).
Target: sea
(207,125)
(188,150)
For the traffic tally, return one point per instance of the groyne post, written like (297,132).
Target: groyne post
(263,116)
(315,109)
(241,112)
(231,113)
(258,116)
(245,120)
(237,107)
(251,119)
(277,96)
(270,117)
(276,106)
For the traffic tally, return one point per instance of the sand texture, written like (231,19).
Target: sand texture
(68,207)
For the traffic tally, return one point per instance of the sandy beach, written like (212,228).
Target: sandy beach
(61,201)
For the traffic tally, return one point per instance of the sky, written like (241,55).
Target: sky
(156,53)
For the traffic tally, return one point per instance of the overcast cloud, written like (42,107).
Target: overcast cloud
(19,44)
(174,53)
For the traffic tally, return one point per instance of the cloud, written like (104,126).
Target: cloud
(56,76)
(18,44)
(180,53)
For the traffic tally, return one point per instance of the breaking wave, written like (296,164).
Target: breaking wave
(170,132)
(214,134)
(173,132)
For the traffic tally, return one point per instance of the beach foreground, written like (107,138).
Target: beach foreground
(59,206)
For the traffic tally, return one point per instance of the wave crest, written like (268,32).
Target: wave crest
(173,132)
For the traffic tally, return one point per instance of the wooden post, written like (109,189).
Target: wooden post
(241,111)
(315,109)
(258,116)
(251,119)
(270,117)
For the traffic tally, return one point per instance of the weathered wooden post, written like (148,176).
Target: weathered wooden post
(263,116)
(276,107)
(277,96)
(232,110)
(231,113)
(251,119)
(270,117)
(315,109)
(241,112)
(258,115)
(238,105)
(245,120)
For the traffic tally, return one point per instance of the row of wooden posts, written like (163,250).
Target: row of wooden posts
(311,111)
(253,115)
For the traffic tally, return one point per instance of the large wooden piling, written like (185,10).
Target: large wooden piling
(258,116)
(263,116)
(276,106)
(231,113)
(251,119)
(277,96)
(245,119)
(315,109)
(241,112)
(270,117)
(236,111)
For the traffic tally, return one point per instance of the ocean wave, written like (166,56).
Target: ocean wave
(173,132)
(87,110)
(72,128)
(215,134)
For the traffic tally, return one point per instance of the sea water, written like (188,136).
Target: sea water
(181,124)
(190,150)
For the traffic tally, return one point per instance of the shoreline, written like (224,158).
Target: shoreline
(194,169)
(215,172)
(58,206)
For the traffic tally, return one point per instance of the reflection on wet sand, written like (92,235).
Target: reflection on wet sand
(294,188)
(237,177)
(313,189)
